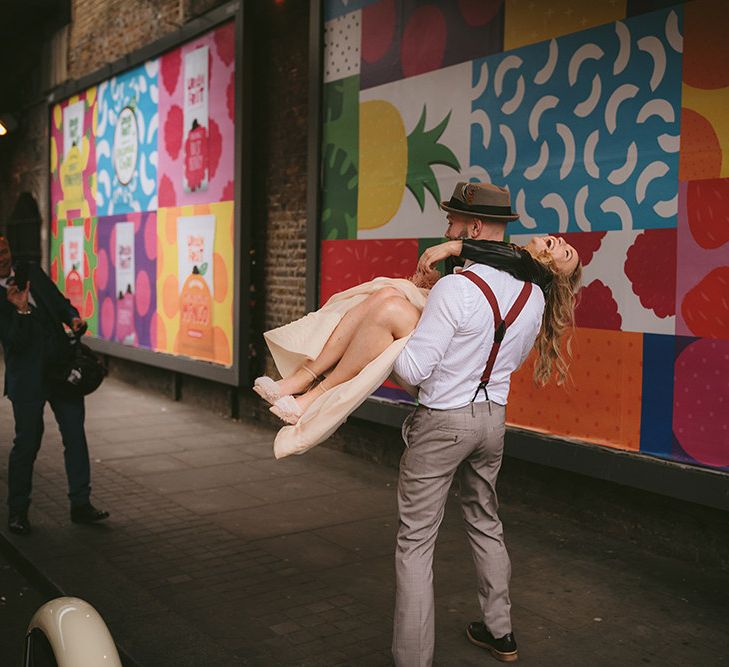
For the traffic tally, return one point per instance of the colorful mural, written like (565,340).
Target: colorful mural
(607,122)
(159,135)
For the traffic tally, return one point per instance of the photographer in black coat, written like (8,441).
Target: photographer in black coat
(34,341)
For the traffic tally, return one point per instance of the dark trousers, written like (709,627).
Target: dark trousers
(70,414)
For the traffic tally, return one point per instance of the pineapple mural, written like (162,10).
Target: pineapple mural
(390,162)
(383,143)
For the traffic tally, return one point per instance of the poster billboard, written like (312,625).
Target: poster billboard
(143,181)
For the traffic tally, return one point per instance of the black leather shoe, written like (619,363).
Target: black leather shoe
(18,523)
(87,514)
(503,648)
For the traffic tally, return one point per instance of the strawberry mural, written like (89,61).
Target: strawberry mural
(650,266)
(708,211)
(705,307)
(173,131)
(170,69)
(597,308)
(701,420)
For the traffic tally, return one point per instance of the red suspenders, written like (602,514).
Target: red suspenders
(500,325)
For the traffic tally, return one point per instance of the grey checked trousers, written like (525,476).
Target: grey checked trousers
(469,442)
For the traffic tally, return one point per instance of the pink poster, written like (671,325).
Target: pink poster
(196,111)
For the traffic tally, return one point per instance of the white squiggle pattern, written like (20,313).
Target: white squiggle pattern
(667,208)
(151,67)
(624,92)
(669,143)
(510,160)
(580,217)
(481,118)
(653,46)
(621,62)
(622,174)
(554,201)
(587,106)
(483,81)
(524,217)
(536,170)
(660,108)
(544,74)
(547,102)
(613,93)
(673,36)
(585,52)
(148,184)
(152,128)
(589,154)
(653,171)
(513,104)
(568,140)
(618,206)
(508,63)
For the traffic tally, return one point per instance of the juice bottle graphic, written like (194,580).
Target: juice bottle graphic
(125,317)
(196,324)
(75,289)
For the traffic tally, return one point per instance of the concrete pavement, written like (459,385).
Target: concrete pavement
(217,554)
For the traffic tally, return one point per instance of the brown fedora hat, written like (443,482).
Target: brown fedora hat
(481,199)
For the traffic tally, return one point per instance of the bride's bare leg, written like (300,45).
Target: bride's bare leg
(339,340)
(394,318)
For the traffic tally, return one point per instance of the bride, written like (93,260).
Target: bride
(387,315)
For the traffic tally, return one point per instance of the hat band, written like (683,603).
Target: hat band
(479,209)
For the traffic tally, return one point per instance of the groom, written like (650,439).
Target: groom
(462,364)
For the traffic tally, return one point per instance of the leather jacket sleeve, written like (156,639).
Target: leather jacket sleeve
(510,258)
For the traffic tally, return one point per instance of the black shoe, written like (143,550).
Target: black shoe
(18,523)
(503,649)
(87,514)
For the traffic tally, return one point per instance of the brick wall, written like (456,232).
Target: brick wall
(103,31)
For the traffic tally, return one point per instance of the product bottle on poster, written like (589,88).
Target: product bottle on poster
(75,289)
(196,323)
(196,156)
(125,317)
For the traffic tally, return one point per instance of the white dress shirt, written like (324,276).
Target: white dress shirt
(448,350)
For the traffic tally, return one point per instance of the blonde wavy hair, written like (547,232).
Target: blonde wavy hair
(558,321)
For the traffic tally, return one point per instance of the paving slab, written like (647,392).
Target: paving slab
(217,554)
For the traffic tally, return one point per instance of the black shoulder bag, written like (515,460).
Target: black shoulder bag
(80,372)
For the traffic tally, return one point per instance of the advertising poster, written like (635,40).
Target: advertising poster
(176,115)
(76,283)
(73,157)
(142,189)
(194,282)
(195,118)
(126,141)
(125,279)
